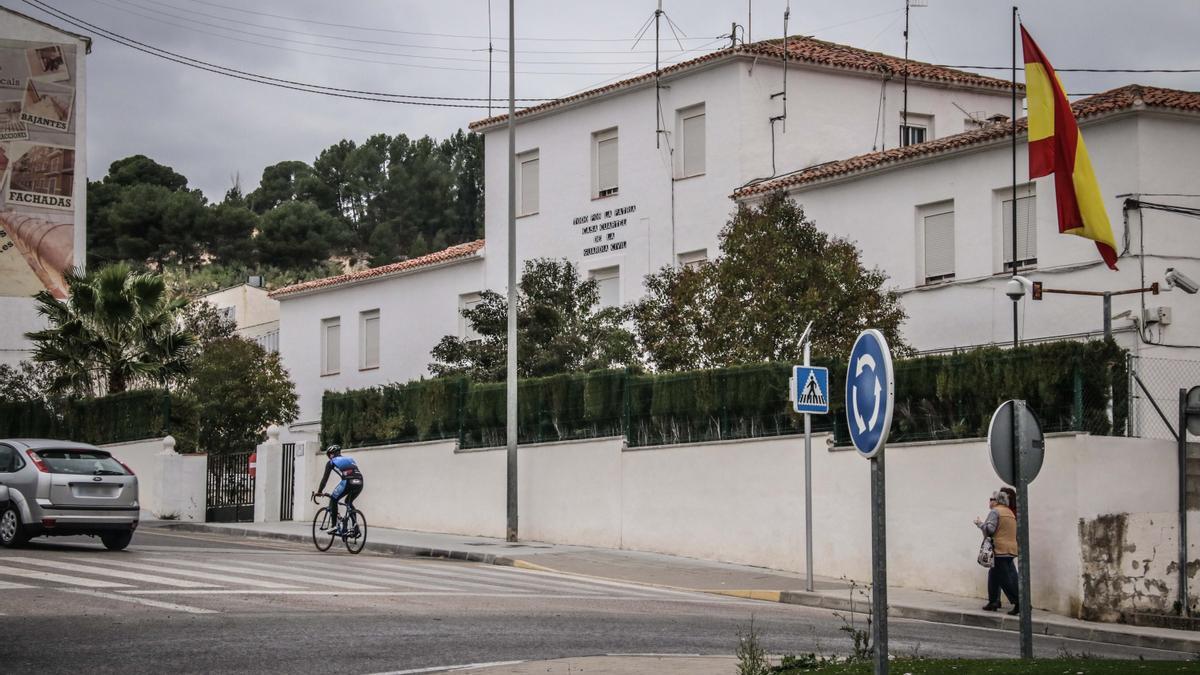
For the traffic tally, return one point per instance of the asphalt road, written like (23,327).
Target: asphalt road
(199,603)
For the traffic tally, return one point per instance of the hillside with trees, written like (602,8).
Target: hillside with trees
(383,200)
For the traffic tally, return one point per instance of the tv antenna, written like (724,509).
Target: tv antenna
(905,134)
(656,19)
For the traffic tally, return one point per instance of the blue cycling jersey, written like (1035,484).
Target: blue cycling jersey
(345,468)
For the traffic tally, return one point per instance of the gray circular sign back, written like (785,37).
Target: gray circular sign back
(1031,443)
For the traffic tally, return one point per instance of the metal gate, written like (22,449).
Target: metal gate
(287,486)
(230,489)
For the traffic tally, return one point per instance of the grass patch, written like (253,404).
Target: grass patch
(1063,666)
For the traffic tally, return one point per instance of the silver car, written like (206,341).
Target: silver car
(59,488)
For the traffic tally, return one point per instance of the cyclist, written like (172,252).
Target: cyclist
(351,484)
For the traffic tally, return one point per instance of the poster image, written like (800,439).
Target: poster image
(37,166)
(11,126)
(47,105)
(42,175)
(47,64)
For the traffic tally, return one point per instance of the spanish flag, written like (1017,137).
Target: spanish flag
(1056,147)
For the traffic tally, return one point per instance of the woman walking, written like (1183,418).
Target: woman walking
(1001,527)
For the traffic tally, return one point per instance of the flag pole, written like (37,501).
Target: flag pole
(1016,330)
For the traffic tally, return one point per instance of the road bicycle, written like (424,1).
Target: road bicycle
(351,527)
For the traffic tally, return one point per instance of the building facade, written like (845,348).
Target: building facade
(252,310)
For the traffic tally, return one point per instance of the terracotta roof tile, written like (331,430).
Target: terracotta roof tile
(801,49)
(1109,101)
(467,250)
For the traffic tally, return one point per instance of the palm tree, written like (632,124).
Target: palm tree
(117,328)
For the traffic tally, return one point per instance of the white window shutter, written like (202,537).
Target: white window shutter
(1026,229)
(939,245)
(529,186)
(693,145)
(606,164)
(371,342)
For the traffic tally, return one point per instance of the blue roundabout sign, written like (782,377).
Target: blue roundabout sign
(870,392)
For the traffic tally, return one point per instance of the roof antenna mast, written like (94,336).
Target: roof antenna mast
(905,138)
(490,50)
(787,14)
(656,18)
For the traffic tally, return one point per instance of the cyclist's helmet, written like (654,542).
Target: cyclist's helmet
(333,451)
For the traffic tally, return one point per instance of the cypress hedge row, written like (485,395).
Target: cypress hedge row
(1070,385)
(128,416)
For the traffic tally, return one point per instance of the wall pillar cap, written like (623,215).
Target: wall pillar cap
(168,445)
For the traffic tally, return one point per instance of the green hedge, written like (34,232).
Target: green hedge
(128,416)
(1070,385)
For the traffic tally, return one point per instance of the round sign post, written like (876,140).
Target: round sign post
(1018,449)
(870,394)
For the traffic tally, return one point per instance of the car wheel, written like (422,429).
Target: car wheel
(12,534)
(116,541)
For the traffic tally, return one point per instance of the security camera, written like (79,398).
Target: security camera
(1015,288)
(1177,279)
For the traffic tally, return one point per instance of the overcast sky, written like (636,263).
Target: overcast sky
(211,128)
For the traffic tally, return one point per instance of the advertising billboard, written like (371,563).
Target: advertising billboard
(37,166)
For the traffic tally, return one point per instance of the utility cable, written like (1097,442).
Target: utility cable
(405,32)
(254,77)
(407,55)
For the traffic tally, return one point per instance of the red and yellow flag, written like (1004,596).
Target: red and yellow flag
(1056,147)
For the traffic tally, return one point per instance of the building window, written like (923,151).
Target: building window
(693,259)
(331,346)
(915,128)
(368,339)
(1026,232)
(604,171)
(911,134)
(938,231)
(691,148)
(465,328)
(228,314)
(528,179)
(608,280)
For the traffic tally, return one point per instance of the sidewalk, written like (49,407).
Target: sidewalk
(742,581)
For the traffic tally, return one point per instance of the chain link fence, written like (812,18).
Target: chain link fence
(1163,377)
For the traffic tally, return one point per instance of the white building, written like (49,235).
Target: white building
(252,310)
(620,198)
(622,185)
(938,221)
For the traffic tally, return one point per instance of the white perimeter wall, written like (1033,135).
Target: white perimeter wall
(170,485)
(743,502)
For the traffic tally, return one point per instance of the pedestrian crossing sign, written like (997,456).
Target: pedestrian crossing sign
(810,390)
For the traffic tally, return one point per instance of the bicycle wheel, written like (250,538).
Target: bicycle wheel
(321,523)
(356,539)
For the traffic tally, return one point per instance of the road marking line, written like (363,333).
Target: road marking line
(60,578)
(448,669)
(508,579)
(13,584)
(384,593)
(250,544)
(655,591)
(224,578)
(399,578)
(448,581)
(310,580)
(512,577)
(120,574)
(142,601)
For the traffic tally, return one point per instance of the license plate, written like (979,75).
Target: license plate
(108,491)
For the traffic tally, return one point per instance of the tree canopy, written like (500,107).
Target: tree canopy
(385,199)
(777,271)
(117,329)
(560,329)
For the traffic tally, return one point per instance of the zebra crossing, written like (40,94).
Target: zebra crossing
(157,574)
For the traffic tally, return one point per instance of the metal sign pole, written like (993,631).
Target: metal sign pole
(1184,605)
(808,519)
(1023,595)
(879,634)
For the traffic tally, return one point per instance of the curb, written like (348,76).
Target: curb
(1092,633)
(393,549)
